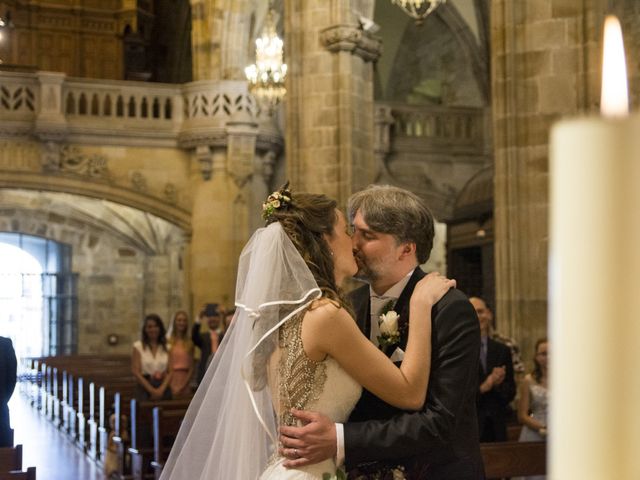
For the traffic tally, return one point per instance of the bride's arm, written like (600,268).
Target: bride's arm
(331,331)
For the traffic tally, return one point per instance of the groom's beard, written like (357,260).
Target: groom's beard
(364,273)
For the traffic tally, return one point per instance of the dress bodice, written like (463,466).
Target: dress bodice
(181,358)
(152,364)
(538,402)
(297,381)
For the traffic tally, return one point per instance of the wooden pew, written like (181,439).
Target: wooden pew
(111,397)
(141,449)
(120,438)
(166,424)
(30,474)
(11,458)
(513,459)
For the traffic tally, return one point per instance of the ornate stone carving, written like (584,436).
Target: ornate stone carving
(241,150)
(17,97)
(352,38)
(266,165)
(139,182)
(205,159)
(171,193)
(68,159)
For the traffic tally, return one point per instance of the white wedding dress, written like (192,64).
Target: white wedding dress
(299,382)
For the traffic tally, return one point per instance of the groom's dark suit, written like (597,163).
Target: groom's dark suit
(441,441)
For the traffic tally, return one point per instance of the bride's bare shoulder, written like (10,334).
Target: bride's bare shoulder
(325,309)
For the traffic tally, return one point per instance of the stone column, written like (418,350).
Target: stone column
(329,105)
(545,61)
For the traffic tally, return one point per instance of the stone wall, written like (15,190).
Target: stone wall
(545,63)
(123,273)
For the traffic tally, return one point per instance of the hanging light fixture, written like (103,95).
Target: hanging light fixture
(418,9)
(266,76)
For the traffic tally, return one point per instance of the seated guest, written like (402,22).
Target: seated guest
(207,342)
(8,366)
(532,404)
(180,356)
(111,458)
(150,361)
(496,383)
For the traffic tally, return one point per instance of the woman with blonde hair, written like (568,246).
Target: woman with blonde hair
(180,355)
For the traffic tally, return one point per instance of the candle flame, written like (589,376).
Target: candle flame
(614,99)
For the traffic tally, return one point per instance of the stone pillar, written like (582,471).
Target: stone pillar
(329,105)
(51,123)
(545,61)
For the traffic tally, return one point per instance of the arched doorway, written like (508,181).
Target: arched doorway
(37,295)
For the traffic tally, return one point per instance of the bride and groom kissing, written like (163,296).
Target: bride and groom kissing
(285,399)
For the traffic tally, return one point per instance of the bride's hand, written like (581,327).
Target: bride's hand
(431,289)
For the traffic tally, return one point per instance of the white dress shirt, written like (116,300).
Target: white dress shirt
(377,303)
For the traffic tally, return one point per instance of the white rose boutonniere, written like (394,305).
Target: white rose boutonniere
(388,323)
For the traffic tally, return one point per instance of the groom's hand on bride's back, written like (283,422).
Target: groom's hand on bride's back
(312,443)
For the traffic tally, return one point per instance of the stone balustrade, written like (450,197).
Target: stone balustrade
(428,128)
(52,106)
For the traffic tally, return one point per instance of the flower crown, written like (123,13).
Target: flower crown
(280,199)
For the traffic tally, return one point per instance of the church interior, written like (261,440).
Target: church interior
(136,154)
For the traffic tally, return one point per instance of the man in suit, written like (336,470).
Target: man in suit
(393,234)
(208,342)
(496,384)
(8,367)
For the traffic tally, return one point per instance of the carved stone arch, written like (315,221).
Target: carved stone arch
(478,53)
(475,50)
(99,190)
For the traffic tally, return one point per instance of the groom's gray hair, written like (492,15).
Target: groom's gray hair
(398,212)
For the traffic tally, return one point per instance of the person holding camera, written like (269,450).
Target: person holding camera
(208,342)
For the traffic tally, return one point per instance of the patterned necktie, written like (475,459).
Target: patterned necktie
(483,354)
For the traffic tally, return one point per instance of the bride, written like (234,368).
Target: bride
(293,344)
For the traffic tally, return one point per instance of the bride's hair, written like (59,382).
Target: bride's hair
(306,218)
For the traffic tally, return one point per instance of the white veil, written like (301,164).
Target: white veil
(230,429)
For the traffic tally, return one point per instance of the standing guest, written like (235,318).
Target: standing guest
(228,318)
(180,355)
(496,381)
(150,361)
(207,342)
(532,401)
(8,366)
(532,404)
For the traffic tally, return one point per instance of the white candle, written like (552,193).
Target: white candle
(594,297)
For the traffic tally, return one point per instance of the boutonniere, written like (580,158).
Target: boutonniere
(388,323)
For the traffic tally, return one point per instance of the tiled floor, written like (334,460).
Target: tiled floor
(46,448)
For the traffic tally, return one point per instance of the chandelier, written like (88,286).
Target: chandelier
(418,9)
(266,76)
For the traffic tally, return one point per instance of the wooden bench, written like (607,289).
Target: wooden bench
(11,458)
(30,474)
(166,424)
(141,451)
(514,459)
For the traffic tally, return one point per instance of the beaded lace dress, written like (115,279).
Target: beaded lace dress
(301,383)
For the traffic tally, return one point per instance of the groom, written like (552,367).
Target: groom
(393,234)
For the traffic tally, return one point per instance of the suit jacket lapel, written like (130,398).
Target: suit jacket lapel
(402,306)
(362,308)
